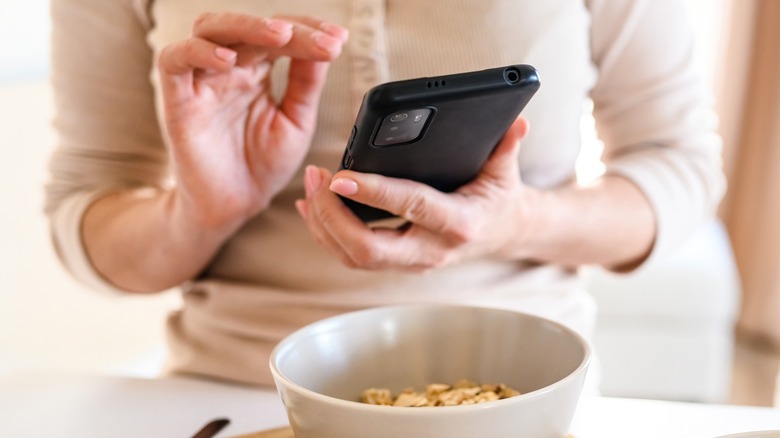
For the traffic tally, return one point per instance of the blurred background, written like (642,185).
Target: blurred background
(700,326)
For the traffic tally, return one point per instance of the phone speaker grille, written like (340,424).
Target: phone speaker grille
(436,84)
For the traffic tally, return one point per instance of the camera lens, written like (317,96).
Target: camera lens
(400,117)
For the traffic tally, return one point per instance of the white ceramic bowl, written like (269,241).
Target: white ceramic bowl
(756,434)
(321,370)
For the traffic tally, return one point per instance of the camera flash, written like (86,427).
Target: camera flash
(417,118)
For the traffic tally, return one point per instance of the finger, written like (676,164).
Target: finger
(304,88)
(228,28)
(358,246)
(279,37)
(347,236)
(195,53)
(319,234)
(412,249)
(416,202)
(503,161)
(331,29)
(310,43)
(177,61)
(316,216)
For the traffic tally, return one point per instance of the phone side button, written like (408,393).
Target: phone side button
(347,160)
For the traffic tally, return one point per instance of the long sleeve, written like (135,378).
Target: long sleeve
(654,113)
(108,135)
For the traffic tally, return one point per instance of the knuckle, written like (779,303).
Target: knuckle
(414,208)
(243,21)
(325,216)
(201,21)
(169,56)
(366,255)
(464,230)
(381,195)
(164,55)
(190,48)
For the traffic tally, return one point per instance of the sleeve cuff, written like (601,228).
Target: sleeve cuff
(66,233)
(681,200)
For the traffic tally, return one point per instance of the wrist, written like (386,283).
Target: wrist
(537,213)
(193,217)
(609,223)
(142,240)
(189,219)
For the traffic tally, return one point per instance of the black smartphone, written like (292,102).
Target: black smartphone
(439,130)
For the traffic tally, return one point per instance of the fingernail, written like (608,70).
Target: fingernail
(312,180)
(344,186)
(336,31)
(225,54)
(278,26)
(326,42)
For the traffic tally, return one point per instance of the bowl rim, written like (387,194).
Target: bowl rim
(751,434)
(428,410)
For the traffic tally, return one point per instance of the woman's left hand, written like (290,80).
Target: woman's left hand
(487,217)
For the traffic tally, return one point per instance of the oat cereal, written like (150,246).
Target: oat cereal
(463,392)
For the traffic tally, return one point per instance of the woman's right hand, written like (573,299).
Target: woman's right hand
(233,146)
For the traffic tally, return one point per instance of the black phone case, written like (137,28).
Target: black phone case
(470,113)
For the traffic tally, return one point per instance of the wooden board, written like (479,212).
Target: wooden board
(284,432)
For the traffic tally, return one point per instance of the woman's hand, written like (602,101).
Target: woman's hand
(483,218)
(233,146)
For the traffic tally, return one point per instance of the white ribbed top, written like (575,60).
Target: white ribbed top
(633,58)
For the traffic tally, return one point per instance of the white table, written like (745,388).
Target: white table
(51,404)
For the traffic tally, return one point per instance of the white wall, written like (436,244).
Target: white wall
(47,320)
(24,29)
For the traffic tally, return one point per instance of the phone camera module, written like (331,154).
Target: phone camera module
(402,127)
